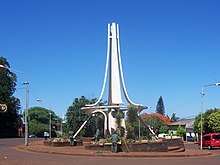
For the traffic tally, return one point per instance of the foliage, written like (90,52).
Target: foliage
(130,140)
(75,117)
(120,130)
(132,114)
(130,131)
(207,128)
(160,106)
(37,128)
(118,117)
(9,120)
(106,140)
(132,122)
(157,121)
(39,120)
(197,124)
(180,131)
(164,119)
(164,129)
(99,121)
(214,121)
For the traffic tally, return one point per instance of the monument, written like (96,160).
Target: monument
(116,82)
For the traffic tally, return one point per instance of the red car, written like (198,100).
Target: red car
(210,140)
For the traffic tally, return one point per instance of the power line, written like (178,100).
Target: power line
(185,104)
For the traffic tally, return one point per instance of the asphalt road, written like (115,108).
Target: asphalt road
(11,155)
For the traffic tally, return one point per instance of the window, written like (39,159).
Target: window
(216,137)
(206,138)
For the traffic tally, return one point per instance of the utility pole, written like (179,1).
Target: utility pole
(26,112)
(27,102)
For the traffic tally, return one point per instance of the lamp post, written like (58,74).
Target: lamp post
(139,128)
(50,124)
(202,106)
(50,113)
(27,102)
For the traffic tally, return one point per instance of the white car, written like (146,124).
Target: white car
(32,136)
(162,136)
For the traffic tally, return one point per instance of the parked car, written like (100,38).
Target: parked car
(32,136)
(162,136)
(210,140)
(190,139)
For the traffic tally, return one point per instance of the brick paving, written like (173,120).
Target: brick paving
(80,151)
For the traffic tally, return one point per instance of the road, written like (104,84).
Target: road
(11,155)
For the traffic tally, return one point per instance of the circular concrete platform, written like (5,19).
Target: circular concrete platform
(80,151)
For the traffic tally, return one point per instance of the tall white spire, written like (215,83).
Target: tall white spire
(116,78)
(116,82)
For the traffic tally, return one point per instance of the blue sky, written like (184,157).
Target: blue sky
(168,48)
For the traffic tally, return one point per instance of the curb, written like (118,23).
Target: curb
(121,155)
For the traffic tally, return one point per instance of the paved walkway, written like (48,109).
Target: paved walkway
(80,151)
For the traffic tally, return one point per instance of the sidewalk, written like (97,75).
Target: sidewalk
(80,151)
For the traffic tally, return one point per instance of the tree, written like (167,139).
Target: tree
(9,120)
(39,121)
(165,119)
(75,117)
(132,122)
(206,126)
(132,114)
(157,121)
(99,121)
(164,129)
(180,131)
(160,106)
(206,115)
(214,121)
(197,124)
(119,129)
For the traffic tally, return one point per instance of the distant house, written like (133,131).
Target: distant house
(187,124)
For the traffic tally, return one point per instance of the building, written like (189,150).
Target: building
(187,124)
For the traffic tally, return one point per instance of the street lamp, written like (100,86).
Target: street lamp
(39,100)
(202,95)
(27,102)
(50,124)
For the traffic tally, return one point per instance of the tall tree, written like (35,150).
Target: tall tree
(209,121)
(157,122)
(75,117)
(9,120)
(160,106)
(132,122)
(214,121)
(40,121)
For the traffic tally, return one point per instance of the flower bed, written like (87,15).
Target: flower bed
(158,146)
(59,142)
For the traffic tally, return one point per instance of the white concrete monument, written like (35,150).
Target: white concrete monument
(116,81)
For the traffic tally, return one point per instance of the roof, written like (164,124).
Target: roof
(189,123)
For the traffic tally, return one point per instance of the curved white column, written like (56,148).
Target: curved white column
(106,71)
(121,73)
